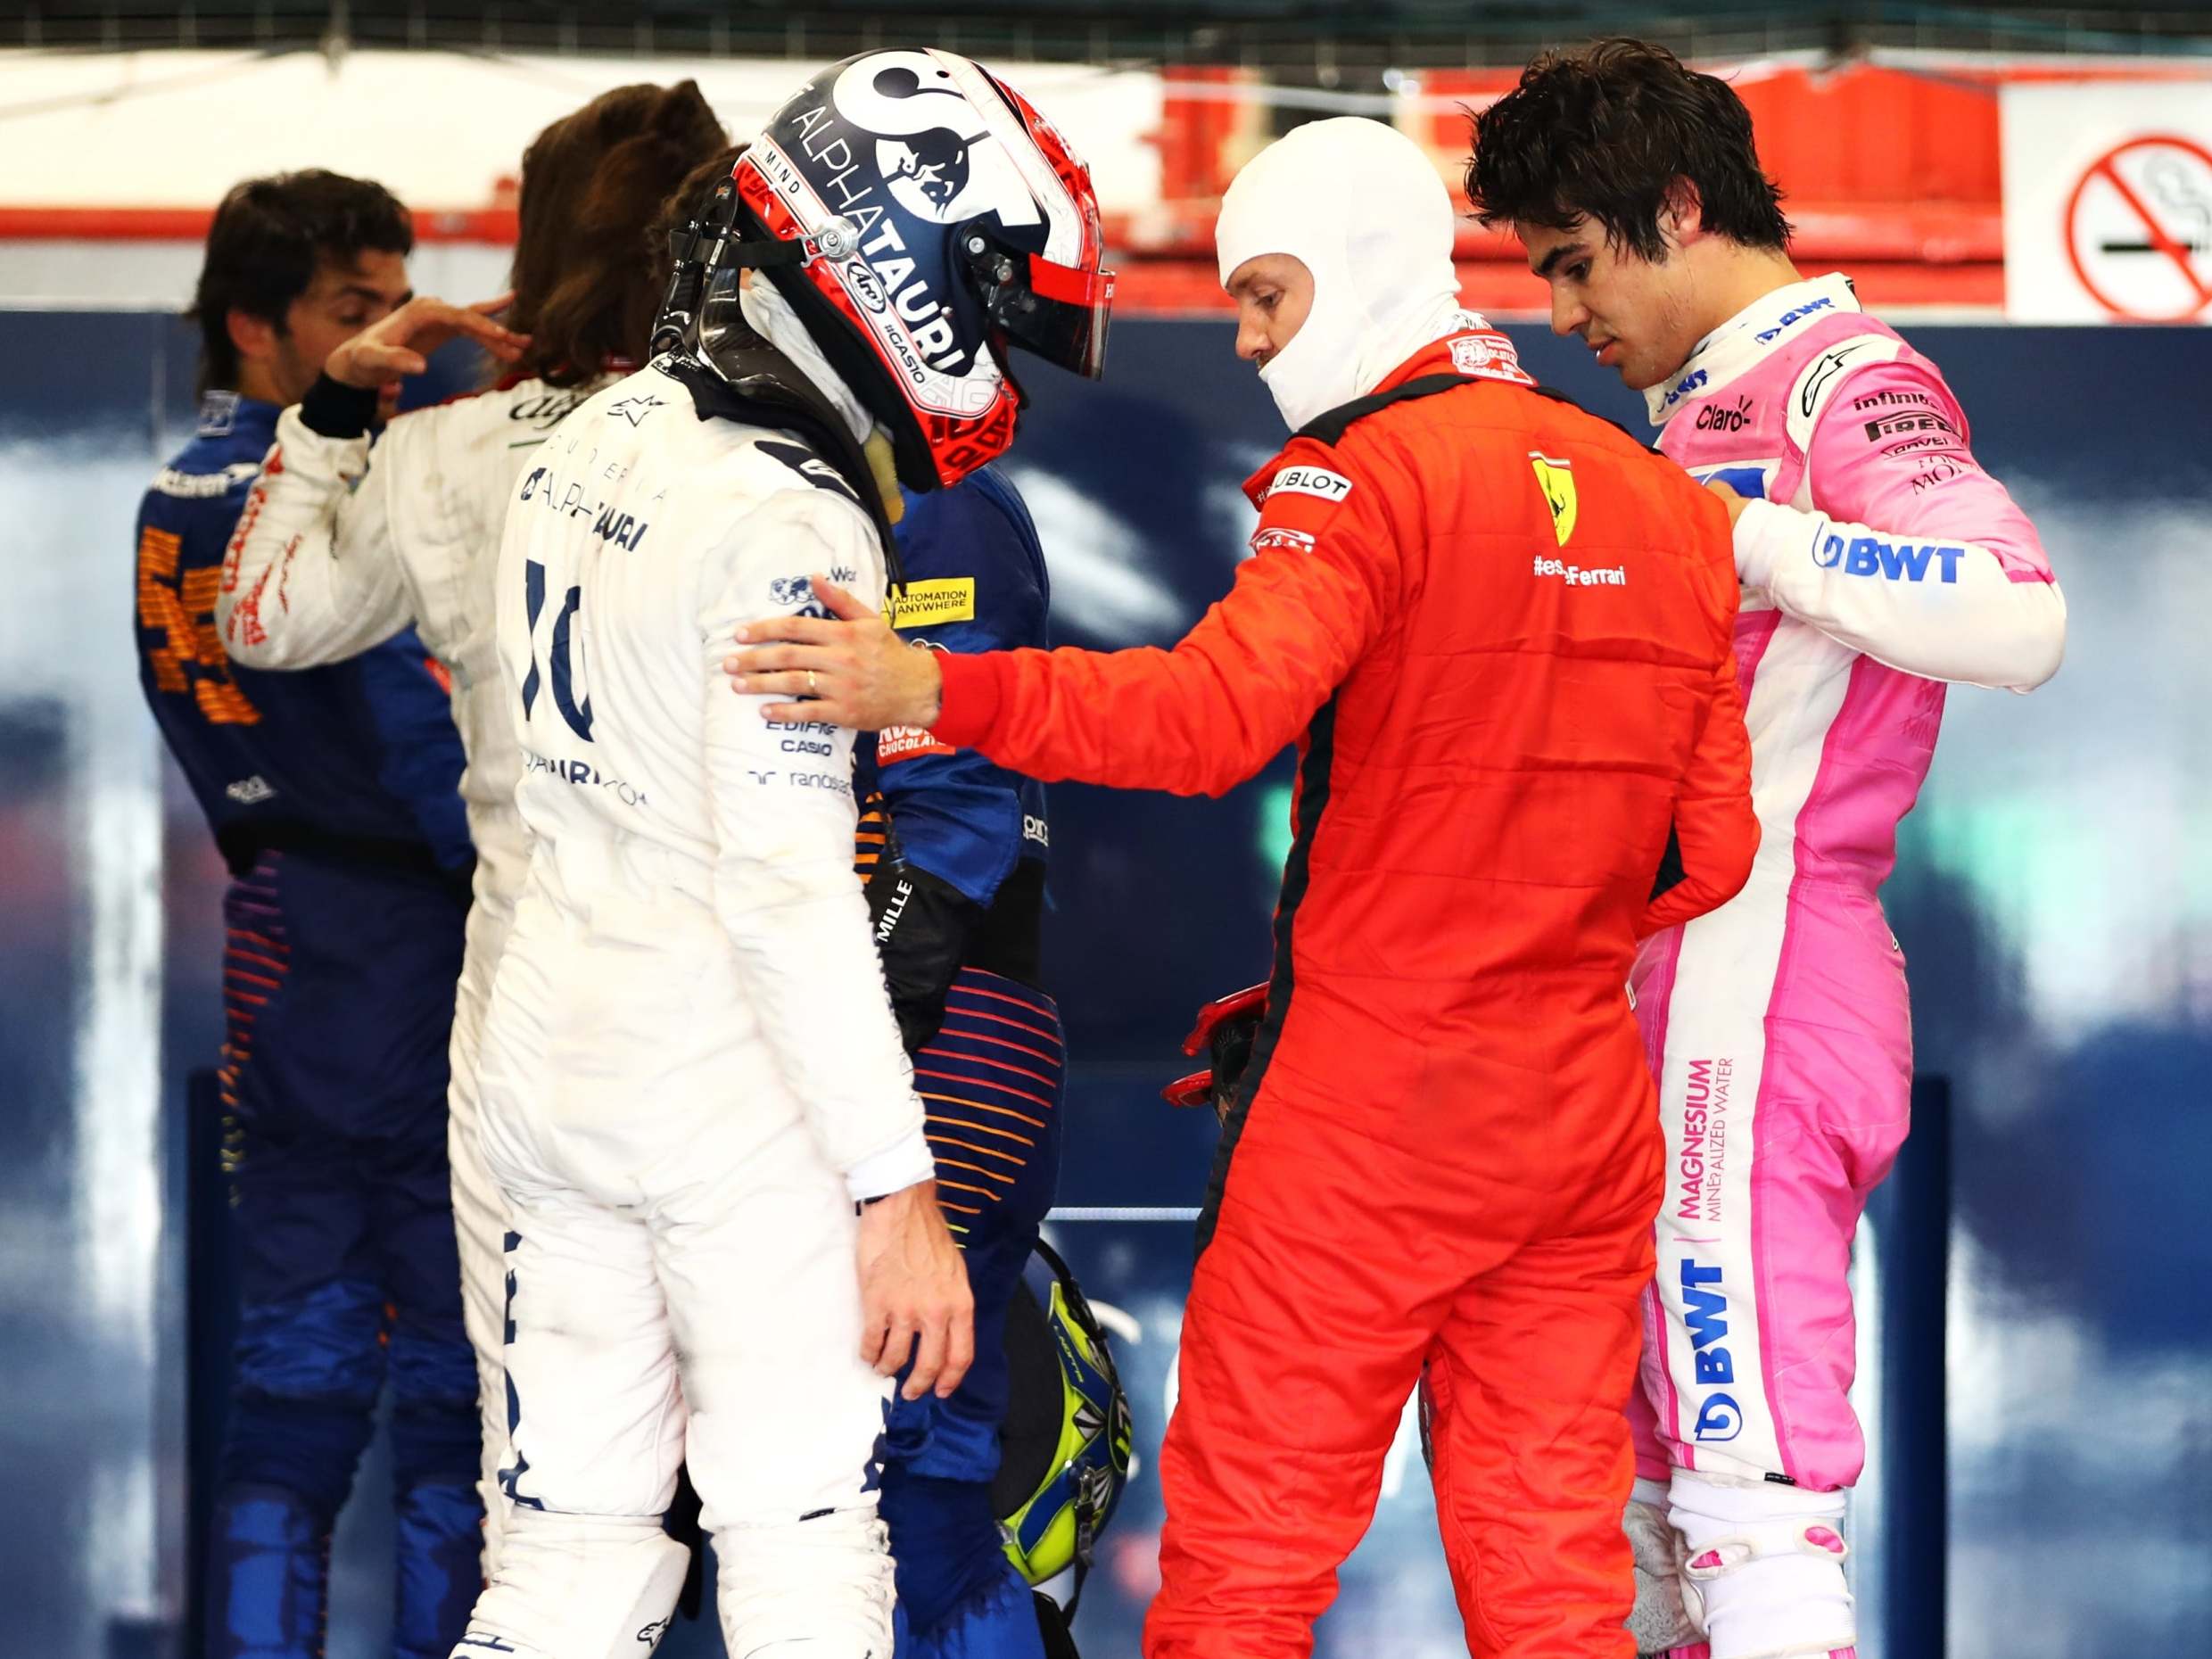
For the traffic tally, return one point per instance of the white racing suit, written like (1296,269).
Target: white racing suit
(342,547)
(690,1072)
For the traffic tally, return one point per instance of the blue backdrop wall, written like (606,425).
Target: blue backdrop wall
(2051,897)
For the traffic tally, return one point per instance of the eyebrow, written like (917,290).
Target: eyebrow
(361,291)
(1566,250)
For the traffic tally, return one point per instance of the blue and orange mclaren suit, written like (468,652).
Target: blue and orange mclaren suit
(953,849)
(332,795)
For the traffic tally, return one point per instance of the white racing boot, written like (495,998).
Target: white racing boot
(577,1587)
(818,1589)
(1765,1568)
(1660,1620)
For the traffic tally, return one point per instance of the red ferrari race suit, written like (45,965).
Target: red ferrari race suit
(1502,628)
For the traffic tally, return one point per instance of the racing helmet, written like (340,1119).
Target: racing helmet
(930,220)
(1064,1441)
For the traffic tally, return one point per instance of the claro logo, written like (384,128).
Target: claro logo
(1720,417)
(1704,1313)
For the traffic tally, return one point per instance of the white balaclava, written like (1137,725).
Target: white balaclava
(1362,206)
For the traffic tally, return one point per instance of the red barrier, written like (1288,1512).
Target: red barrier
(1892,174)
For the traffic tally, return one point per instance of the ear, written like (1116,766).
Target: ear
(255,337)
(1682,214)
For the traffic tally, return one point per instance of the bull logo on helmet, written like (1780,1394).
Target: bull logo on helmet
(940,225)
(939,159)
(934,166)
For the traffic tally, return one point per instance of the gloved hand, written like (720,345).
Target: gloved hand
(1662,1620)
(1225,1034)
(922,926)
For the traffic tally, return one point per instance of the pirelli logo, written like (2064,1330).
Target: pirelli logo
(929,604)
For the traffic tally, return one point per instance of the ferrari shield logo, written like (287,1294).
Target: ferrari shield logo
(1555,479)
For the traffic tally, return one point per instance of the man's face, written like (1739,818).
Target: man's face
(1274,293)
(1637,314)
(342,301)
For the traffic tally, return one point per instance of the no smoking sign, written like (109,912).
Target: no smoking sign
(2139,230)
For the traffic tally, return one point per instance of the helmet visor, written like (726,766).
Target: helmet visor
(1058,312)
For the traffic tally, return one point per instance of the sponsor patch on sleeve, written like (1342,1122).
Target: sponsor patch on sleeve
(899,743)
(1313,481)
(928,604)
(1488,357)
(1281,536)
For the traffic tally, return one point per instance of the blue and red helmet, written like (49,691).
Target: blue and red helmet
(939,221)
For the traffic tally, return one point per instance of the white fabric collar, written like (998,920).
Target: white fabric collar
(1740,343)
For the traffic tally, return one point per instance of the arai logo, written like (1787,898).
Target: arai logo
(863,285)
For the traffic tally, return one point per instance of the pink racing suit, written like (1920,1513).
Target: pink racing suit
(1881,562)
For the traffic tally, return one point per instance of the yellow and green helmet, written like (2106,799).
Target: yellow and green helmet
(1064,1455)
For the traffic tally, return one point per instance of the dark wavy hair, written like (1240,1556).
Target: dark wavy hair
(269,238)
(588,273)
(1612,132)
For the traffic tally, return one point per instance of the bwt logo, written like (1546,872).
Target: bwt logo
(1720,1418)
(1704,1313)
(1790,319)
(1900,561)
(1683,387)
